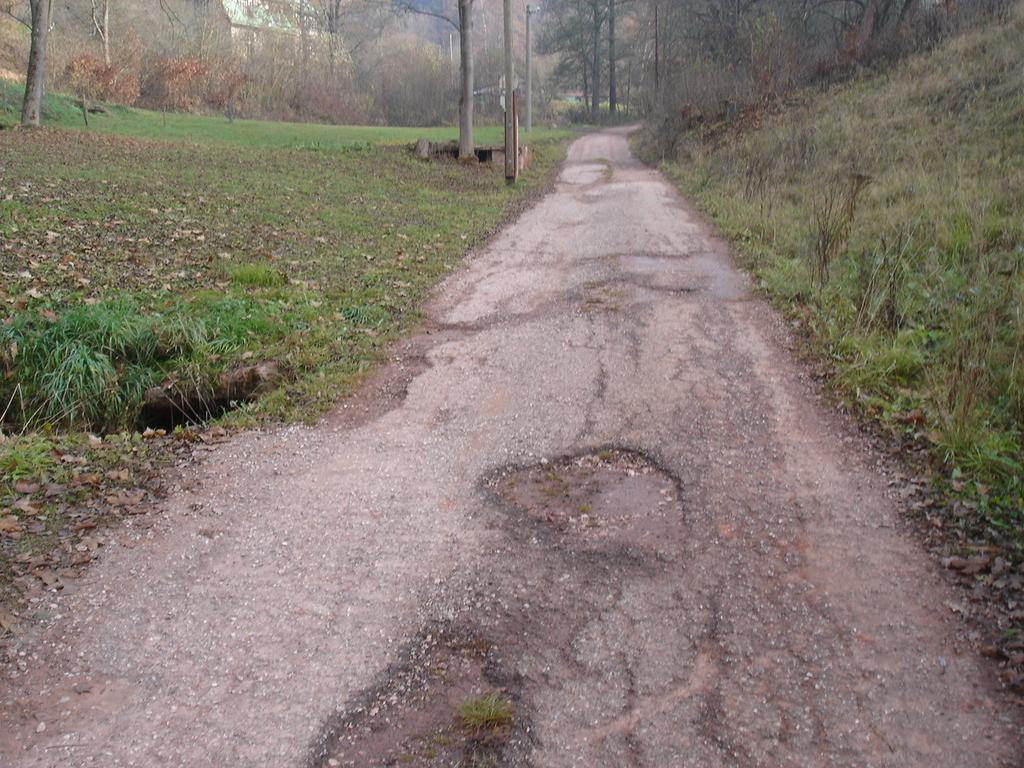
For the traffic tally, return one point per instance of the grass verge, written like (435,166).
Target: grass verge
(886,216)
(130,265)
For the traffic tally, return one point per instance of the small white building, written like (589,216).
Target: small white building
(250,19)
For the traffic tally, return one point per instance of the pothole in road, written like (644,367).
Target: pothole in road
(668,273)
(601,297)
(445,704)
(468,691)
(611,495)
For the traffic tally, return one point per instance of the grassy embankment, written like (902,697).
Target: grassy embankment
(164,250)
(887,215)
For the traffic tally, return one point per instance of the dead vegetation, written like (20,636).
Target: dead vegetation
(909,287)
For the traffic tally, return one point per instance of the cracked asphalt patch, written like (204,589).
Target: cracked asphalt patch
(597,462)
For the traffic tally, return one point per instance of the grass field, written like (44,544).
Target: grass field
(887,216)
(148,252)
(64,112)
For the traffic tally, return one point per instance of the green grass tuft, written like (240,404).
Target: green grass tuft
(27,457)
(91,365)
(258,275)
(490,712)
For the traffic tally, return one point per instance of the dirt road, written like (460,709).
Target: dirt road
(597,482)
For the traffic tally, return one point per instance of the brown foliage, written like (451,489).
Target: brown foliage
(224,84)
(89,78)
(176,83)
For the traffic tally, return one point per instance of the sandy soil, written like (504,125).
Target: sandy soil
(597,483)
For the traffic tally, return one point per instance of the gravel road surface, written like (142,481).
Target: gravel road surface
(597,481)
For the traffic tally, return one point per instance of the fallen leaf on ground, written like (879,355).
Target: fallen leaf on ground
(8,621)
(968,566)
(25,505)
(9,524)
(126,499)
(48,577)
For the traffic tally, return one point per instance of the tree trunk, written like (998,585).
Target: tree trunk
(42,11)
(586,85)
(303,85)
(612,96)
(657,50)
(466,148)
(629,84)
(106,32)
(333,30)
(595,63)
(101,23)
(866,29)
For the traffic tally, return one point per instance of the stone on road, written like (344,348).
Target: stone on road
(600,468)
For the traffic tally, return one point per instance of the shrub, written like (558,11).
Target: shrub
(224,85)
(177,84)
(89,78)
(833,215)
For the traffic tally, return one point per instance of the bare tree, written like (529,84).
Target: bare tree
(612,95)
(101,23)
(597,12)
(464,26)
(42,15)
(332,10)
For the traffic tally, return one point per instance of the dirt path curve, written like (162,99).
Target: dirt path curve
(600,466)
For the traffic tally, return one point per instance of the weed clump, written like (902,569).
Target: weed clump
(27,457)
(256,276)
(91,365)
(489,713)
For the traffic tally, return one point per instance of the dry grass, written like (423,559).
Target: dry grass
(916,301)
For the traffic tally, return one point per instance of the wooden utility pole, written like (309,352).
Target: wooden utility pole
(466,146)
(510,128)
